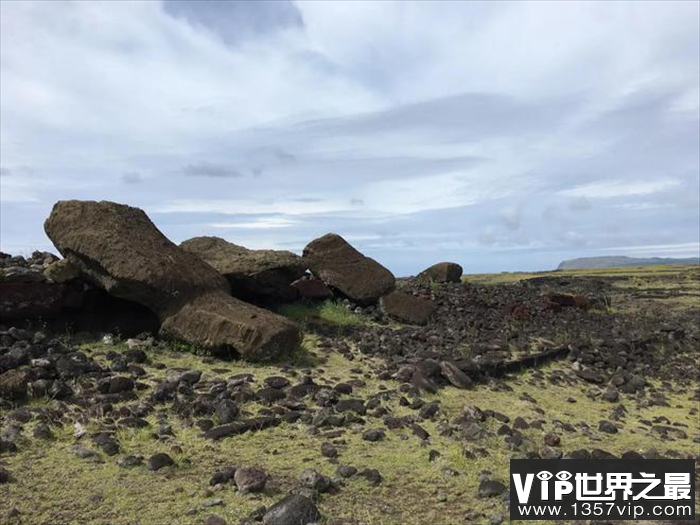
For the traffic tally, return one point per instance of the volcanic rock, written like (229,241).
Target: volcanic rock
(407,308)
(159,460)
(13,385)
(119,249)
(489,488)
(256,275)
(342,267)
(293,509)
(455,376)
(61,271)
(250,479)
(312,288)
(444,272)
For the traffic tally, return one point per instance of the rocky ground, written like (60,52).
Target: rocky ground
(370,421)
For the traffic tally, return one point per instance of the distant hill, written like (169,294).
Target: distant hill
(616,261)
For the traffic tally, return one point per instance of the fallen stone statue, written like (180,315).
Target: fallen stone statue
(119,249)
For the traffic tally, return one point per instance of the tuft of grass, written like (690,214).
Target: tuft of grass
(329,311)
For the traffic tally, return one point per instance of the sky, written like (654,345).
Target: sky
(503,136)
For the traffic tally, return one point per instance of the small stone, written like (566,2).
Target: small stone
(607,427)
(222,476)
(328,450)
(159,460)
(215,520)
(489,488)
(551,439)
(250,479)
(42,431)
(346,471)
(277,382)
(375,434)
(311,479)
(130,461)
(226,411)
(293,509)
(372,475)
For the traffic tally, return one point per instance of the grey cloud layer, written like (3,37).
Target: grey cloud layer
(272,125)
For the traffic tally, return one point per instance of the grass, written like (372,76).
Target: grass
(329,311)
(659,270)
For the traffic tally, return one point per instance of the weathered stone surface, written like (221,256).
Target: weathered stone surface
(14,385)
(61,271)
(119,249)
(443,272)
(455,376)
(407,308)
(314,289)
(345,269)
(293,509)
(253,274)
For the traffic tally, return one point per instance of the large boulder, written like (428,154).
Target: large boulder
(256,275)
(407,308)
(343,268)
(444,272)
(119,249)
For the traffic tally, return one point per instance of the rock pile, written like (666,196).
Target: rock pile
(120,250)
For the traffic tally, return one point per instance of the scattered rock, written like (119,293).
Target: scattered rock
(455,376)
(215,520)
(159,460)
(250,479)
(293,509)
(375,434)
(607,427)
(329,451)
(489,488)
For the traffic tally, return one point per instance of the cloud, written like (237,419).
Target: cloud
(278,122)
(132,178)
(257,224)
(208,169)
(620,188)
(236,22)
(511,217)
(580,204)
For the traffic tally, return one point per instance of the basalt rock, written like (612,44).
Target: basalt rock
(407,308)
(256,275)
(343,268)
(444,272)
(293,509)
(119,249)
(313,289)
